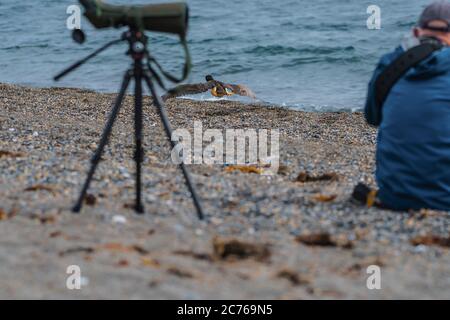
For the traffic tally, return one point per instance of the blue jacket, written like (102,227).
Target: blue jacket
(413,144)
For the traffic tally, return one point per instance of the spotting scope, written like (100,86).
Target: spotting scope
(166,17)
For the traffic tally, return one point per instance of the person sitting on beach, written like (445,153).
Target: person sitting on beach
(217,89)
(413,144)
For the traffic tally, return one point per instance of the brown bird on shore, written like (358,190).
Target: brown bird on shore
(217,89)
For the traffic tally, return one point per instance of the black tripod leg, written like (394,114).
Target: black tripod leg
(139,153)
(165,120)
(104,139)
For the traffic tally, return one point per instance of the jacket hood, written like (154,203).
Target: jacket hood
(436,64)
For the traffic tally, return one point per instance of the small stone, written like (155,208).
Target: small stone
(119,219)
(216,221)
(420,248)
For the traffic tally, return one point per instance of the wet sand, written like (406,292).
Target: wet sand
(259,240)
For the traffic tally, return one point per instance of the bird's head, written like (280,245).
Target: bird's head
(209,78)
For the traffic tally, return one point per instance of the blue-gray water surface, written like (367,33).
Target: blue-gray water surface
(311,55)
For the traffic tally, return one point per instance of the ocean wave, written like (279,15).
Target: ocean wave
(209,40)
(234,69)
(329,27)
(28,46)
(271,50)
(319,59)
(402,24)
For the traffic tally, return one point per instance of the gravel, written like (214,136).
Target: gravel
(47,137)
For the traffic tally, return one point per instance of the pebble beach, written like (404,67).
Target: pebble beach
(292,235)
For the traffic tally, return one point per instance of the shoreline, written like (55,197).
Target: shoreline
(51,133)
(310,107)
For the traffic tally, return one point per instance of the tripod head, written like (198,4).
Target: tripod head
(138,42)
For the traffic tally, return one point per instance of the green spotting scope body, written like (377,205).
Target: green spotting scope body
(166,17)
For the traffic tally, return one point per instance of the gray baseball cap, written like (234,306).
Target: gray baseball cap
(439,10)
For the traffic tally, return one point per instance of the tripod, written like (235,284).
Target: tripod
(139,73)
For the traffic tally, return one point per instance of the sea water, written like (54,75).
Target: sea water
(309,55)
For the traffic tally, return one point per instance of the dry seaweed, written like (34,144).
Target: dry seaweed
(179,273)
(324,240)
(7,215)
(293,277)
(283,170)
(431,240)
(90,199)
(40,187)
(55,234)
(43,219)
(11,154)
(123,263)
(76,250)
(305,176)
(324,197)
(3,214)
(195,255)
(118,247)
(234,249)
(150,262)
(244,169)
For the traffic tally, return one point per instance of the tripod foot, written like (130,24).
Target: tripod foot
(139,208)
(76,209)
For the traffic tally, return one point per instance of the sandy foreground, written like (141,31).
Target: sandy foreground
(267,237)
